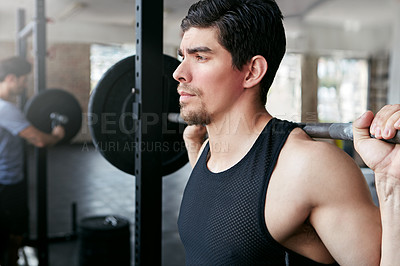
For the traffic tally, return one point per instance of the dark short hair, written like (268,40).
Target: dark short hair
(246,28)
(15,65)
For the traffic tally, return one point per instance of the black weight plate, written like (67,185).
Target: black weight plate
(111,124)
(38,109)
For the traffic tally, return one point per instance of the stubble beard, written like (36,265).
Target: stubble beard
(198,117)
(194,117)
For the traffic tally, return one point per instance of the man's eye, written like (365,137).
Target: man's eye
(200,58)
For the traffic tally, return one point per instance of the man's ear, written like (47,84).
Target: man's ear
(256,69)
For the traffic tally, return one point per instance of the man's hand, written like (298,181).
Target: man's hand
(195,134)
(58,132)
(382,157)
(194,137)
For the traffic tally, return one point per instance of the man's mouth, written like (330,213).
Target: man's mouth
(185,96)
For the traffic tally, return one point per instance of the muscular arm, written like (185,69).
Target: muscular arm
(41,139)
(343,213)
(375,234)
(318,184)
(388,189)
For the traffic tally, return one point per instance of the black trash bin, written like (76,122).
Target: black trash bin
(104,240)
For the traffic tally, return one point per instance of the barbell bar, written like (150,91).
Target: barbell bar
(339,131)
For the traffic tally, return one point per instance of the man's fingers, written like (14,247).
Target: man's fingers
(361,127)
(386,122)
(391,126)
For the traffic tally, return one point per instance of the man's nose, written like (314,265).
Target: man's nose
(182,73)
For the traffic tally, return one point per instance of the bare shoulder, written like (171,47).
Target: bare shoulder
(321,165)
(316,157)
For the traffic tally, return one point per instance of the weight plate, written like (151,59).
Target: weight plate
(38,109)
(112,126)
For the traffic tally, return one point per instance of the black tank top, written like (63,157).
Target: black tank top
(221,219)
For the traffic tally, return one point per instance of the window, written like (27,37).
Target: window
(284,96)
(342,90)
(102,57)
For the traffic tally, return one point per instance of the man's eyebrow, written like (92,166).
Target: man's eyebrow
(195,50)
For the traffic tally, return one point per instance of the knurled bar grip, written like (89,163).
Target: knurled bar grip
(341,131)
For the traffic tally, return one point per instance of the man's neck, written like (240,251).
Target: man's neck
(232,136)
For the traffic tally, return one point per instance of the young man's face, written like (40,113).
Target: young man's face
(17,84)
(209,84)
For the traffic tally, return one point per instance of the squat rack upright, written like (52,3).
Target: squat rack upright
(36,28)
(148,100)
(148,164)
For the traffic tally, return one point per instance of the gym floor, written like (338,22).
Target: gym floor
(79,174)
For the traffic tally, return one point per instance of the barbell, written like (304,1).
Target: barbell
(339,131)
(112,119)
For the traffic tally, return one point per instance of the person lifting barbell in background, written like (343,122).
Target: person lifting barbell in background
(276,197)
(14,127)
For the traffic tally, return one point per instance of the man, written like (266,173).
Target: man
(13,129)
(274,195)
